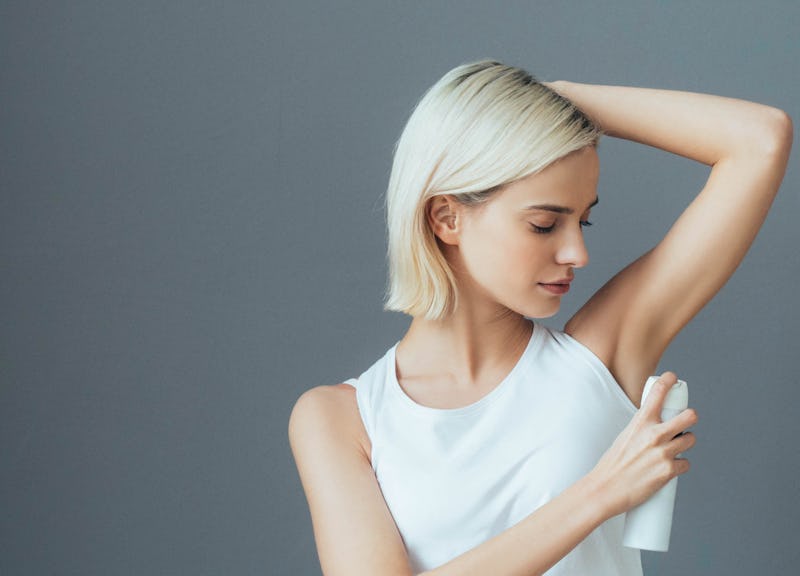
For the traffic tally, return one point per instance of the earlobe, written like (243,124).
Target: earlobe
(444,218)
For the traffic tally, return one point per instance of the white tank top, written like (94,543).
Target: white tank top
(453,478)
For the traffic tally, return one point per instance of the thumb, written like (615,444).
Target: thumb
(654,402)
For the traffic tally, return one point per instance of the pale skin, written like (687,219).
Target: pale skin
(509,257)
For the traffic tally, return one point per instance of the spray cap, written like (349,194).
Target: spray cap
(677,398)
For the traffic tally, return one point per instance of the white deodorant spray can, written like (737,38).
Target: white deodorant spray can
(648,526)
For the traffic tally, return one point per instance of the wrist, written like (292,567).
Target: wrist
(595,490)
(555,85)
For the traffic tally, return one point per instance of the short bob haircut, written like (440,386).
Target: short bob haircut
(481,126)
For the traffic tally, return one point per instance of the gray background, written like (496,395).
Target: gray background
(191,234)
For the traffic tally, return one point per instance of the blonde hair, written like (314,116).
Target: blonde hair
(481,126)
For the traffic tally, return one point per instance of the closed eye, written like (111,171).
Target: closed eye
(542,229)
(547,229)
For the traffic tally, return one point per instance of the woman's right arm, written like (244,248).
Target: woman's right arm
(355,532)
(353,528)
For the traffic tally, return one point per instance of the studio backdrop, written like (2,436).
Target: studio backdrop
(192,234)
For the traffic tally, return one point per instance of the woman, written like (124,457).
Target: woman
(483,443)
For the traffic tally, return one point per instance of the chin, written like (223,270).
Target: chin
(544,315)
(542,310)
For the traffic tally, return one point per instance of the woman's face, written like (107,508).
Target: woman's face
(520,249)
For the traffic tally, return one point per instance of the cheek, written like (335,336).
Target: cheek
(526,258)
(503,254)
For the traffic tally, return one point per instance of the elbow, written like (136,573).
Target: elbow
(781,132)
(776,135)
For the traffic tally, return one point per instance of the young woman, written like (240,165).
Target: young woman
(484,443)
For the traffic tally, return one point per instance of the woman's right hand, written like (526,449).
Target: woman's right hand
(356,533)
(643,458)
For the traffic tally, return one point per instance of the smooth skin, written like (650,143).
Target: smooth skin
(507,257)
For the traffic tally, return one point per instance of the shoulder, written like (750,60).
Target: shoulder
(607,326)
(353,527)
(325,415)
(324,398)
(571,347)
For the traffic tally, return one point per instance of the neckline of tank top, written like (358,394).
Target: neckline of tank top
(485,400)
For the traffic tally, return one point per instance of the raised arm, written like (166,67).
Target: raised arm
(356,534)
(632,319)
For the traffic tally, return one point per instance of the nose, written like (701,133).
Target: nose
(573,250)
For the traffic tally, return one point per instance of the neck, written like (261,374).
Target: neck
(471,346)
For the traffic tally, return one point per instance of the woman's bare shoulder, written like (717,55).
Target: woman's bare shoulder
(326,414)
(353,527)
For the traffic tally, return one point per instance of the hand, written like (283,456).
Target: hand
(552,85)
(643,458)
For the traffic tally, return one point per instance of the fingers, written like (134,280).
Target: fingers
(680,422)
(681,466)
(655,399)
(680,444)
(666,431)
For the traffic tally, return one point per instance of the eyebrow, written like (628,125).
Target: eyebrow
(556,208)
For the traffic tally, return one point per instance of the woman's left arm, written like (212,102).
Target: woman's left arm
(632,319)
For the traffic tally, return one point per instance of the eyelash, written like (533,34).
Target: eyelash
(548,229)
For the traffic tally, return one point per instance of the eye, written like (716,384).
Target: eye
(542,229)
(585,223)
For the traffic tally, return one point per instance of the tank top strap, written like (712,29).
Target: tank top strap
(371,394)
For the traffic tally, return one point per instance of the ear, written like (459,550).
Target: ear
(444,215)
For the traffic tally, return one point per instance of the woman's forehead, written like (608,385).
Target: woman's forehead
(570,181)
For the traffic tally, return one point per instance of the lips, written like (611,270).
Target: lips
(558,287)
